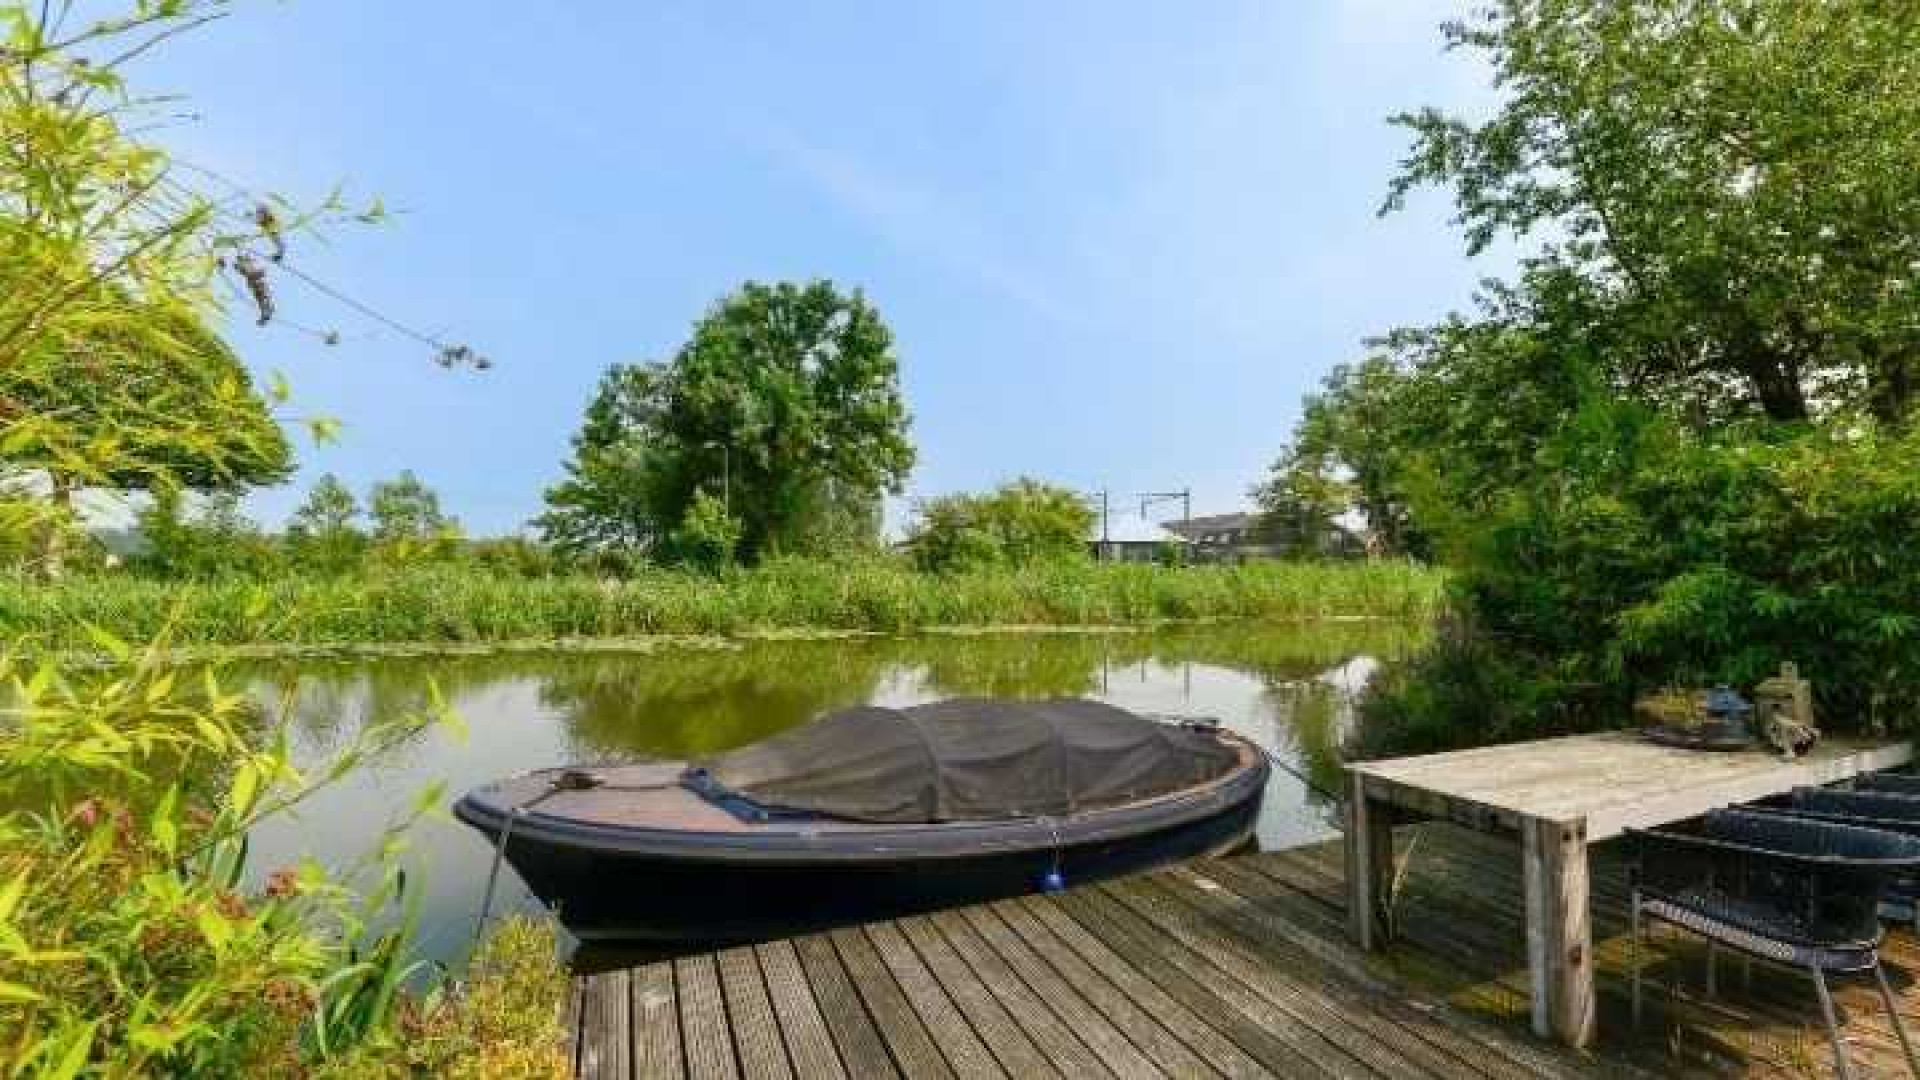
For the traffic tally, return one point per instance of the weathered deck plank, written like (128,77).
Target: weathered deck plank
(958,1043)
(1239,967)
(848,1021)
(656,1025)
(1108,1041)
(704,1025)
(1317,1055)
(1268,967)
(606,1012)
(809,1043)
(570,1021)
(1141,952)
(1153,1033)
(906,1038)
(1055,1039)
(756,1033)
(1003,1038)
(1143,1004)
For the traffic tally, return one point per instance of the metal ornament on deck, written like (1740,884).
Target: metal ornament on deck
(1784,706)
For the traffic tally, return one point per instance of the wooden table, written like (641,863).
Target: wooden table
(1561,795)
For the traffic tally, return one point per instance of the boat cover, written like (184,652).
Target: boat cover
(969,760)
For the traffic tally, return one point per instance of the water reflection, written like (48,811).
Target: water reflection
(1289,687)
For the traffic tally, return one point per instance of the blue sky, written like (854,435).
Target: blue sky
(1116,241)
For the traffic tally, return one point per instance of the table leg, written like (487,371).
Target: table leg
(1369,865)
(1559,930)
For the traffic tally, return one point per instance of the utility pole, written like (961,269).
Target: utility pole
(1185,495)
(1106,536)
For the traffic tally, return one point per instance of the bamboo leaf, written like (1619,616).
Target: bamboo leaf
(246,784)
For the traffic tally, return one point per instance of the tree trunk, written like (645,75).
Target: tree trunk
(53,549)
(1776,382)
(1892,391)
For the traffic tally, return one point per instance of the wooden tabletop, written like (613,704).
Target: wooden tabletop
(1609,782)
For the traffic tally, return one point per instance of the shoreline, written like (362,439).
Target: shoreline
(651,644)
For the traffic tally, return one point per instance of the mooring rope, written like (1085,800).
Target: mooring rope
(1054,881)
(569,780)
(1294,772)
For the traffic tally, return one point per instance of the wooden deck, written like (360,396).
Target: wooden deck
(1238,967)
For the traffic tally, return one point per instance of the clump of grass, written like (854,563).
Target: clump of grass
(500,1022)
(467,604)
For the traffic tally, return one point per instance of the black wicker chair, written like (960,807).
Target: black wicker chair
(1873,809)
(1888,783)
(1794,891)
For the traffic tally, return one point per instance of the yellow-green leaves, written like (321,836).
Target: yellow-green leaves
(245,785)
(109,644)
(164,829)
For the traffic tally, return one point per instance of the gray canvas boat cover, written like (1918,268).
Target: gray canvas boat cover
(970,760)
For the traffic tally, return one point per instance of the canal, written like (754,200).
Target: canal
(1289,686)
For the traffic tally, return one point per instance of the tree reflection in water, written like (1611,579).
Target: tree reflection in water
(1289,686)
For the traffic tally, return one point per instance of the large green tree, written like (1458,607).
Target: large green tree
(1668,448)
(785,404)
(1726,189)
(616,498)
(406,510)
(324,534)
(1346,455)
(174,403)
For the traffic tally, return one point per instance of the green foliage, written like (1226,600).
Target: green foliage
(499,1022)
(109,376)
(132,939)
(409,527)
(1347,453)
(1725,188)
(1465,688)
(785,403)
(324,534)
(1674,447)
(194,420)
(615,499)
(454,604)
(513,555)
(217,541)
(404,510)
(1017,524)
(707,536)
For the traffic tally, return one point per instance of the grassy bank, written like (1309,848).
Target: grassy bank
(466,605)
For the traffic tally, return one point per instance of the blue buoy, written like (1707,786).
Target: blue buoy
(1053,882)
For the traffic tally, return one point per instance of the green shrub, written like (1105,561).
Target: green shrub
(1017,524)
(133,942)
(1649,556)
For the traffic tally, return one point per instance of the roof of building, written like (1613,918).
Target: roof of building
(1127,529)
(1213,523)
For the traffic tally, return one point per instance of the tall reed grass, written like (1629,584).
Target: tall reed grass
(468,605)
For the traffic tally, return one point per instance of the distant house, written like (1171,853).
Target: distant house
(1243,536)
(1131,539)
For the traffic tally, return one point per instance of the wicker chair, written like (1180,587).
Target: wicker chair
(1873,809)
(1888,783)
(1798,892)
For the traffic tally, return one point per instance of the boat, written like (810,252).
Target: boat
(868,813)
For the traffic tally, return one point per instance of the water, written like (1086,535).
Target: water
(1289,687)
